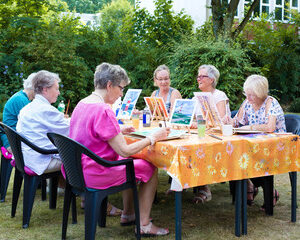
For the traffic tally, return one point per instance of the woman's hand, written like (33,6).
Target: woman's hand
(127,129)
(227,120)
(159,135)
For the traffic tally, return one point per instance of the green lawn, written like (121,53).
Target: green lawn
(213,220)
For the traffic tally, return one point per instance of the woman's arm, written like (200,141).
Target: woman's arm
(269,127)
(221,107)
(119,144)
(175,95)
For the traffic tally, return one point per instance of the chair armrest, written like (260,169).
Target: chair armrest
(38,149)
(104,162)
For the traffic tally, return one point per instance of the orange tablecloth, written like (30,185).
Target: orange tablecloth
(193,162)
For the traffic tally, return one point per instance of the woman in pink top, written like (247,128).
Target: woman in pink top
(94,125)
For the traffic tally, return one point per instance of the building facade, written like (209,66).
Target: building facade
(200,12)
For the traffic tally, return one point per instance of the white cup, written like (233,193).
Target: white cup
(227,130)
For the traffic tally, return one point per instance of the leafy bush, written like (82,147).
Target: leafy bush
(231,61)
(277,53)
(295,106)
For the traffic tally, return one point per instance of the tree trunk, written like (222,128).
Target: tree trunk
(223,18)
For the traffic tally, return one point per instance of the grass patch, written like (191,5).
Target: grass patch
(213,220)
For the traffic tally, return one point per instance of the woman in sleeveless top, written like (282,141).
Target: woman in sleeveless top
(162,80)
(259,112)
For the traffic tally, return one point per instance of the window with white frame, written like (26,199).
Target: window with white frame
(279,8)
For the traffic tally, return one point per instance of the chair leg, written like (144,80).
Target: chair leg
(53,192)
(18,179)
(44,189)
(232,190)
(5,176)
(137,212)
(30,186)
(103,211)
(268,186)
(74,211)
(67,202)
(91,212)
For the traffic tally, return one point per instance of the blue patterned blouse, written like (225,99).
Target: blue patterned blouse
(261,116)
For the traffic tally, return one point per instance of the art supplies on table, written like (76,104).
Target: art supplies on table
(174,134)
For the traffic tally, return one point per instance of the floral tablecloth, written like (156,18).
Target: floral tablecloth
(193,162)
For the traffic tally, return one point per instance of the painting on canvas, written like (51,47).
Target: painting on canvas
(128,103)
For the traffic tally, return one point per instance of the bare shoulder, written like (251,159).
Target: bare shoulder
(176,94)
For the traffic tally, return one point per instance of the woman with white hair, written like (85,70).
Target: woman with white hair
(38,118)
(11,111)
(208,76)
(259,112)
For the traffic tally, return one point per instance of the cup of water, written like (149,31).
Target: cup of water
(135,120)
(201,124)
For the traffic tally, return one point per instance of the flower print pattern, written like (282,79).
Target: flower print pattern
(266,151)
(223,172)
(243,161)
(276,162)
(218,157)
(200,153)
(259,165)
(280,146)
(229,148)
(211,170)
(164,150)
(255,148)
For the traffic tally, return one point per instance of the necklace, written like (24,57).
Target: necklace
(98,95)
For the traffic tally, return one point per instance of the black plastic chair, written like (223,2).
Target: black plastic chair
(95,199)
(30,181)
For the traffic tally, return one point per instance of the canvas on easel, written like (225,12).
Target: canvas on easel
(162,107)
(208,108)
(128,103)
(183,112)
(157,108)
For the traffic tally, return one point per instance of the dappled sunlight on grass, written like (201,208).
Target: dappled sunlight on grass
(212,220)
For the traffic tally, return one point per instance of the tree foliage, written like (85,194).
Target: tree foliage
(223,12)
(88,6)
(277,52)
(232,62)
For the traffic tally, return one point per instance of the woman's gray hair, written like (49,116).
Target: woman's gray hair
(27,83)
(212,73)
(44,79)
(106,72)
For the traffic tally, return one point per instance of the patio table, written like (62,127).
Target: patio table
(194,162)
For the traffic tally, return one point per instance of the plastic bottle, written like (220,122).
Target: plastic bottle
(61,106)
(146,118)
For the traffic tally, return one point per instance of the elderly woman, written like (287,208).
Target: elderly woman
(162,79)
(12,109)
(39,117)
(87,127)
(260,112)
(208,76)
(207,79)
